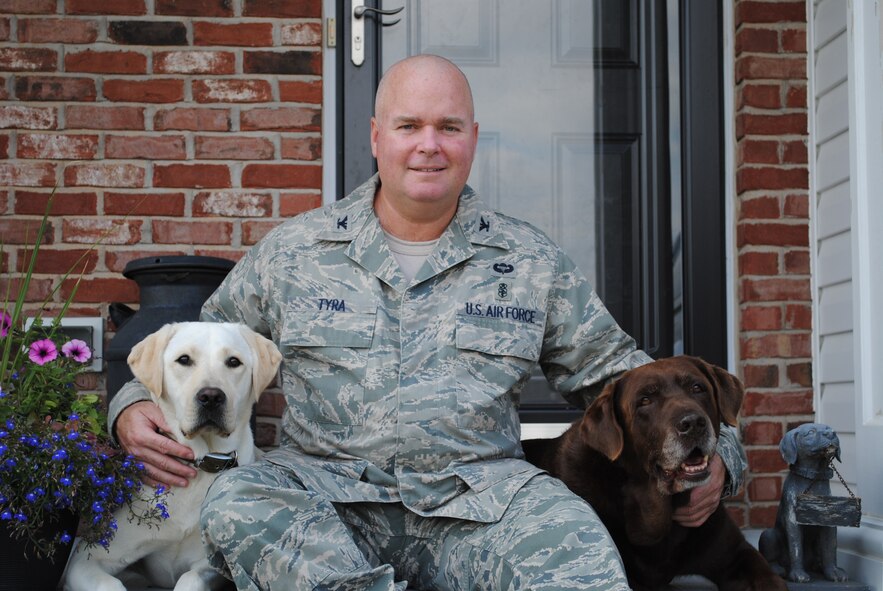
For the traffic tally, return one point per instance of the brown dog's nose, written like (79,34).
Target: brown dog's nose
(210,398)
(690,424)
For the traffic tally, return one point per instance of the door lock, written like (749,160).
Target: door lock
(357,24)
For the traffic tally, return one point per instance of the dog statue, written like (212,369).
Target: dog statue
(793,548)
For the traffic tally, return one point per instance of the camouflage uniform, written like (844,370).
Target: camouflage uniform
(400,456)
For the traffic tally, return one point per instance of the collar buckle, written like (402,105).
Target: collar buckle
(215,462)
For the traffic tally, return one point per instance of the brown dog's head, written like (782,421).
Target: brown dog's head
(662,420)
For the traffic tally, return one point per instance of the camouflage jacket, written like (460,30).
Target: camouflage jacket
(409,391)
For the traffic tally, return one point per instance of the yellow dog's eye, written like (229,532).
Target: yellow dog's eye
(233,362)
(184,360)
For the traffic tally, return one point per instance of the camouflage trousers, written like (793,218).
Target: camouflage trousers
(267,532)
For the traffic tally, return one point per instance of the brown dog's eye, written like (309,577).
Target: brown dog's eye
(698,388)
(645,401)
(184,360)
(233,362)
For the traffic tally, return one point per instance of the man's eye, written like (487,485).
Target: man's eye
(184,360)
(233,362)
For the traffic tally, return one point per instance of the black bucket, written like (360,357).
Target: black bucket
(172,289)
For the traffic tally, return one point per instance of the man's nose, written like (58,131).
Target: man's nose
(428,140)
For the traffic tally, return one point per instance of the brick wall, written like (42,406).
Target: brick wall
(772,232)
(168,126)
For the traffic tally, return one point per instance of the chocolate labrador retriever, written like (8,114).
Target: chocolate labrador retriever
(634,455)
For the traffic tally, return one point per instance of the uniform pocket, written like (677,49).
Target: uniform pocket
(326,355)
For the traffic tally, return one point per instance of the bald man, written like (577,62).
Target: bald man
(410,315)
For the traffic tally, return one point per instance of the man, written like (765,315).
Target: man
(410,316)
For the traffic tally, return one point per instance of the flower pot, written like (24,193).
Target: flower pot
(21,570)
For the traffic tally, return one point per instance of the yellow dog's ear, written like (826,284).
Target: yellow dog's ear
(267,360)
(145,359)
(599,427)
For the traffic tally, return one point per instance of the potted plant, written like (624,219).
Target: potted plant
(57,461)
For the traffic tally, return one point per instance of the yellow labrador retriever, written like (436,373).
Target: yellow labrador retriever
(205,377)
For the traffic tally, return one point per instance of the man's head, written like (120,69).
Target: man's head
(423,135)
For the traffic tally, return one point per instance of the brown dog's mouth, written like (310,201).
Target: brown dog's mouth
(694,467)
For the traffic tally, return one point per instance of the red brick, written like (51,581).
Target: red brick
(155,90)
(245,204)
(765,488)
(775,289)
(63,202)
(282,8)
(302,148)
(39,290)
(758,263)
(780,345)
(238,34)
(57,30)
(27,174)
(54,88)
(144,204)
(192,232)
(772,234)
(104,174)
(771,179)
(797,206)
(194,7)
(284,176)
(191,119)
(232,91)
(227,253)
(106,62)
(252,232)
(101,290)
(778,403)
(56,146)
(194,62)
(762,517)
(95,117)
(282,119)
(770,12)
(28,59)
(797,262)
(233,148)
(5,28)
(19,231)
(761,96)
(795,152)
(116,260)
(271,404)
(109,7)
(795,97)
(104,230)
(4,154)
(770,68)
(755,40)
(765,460)
(760,376)
(295,62)
(302,34)
(759,208)
(291,204)
(59,262)
(794,40)
(4,94)
(28,6)
(759,151)
(166,147)
(800,374)
(299,91)
(761,318)
(798,317)
(774,125)
(22,117)
(197,176)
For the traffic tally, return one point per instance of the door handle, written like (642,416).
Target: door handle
(357,26)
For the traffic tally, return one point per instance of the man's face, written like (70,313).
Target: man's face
(423,137)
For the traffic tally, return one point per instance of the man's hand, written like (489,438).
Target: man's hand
(703,499)
(137,429)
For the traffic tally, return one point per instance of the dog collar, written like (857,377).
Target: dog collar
(214,462)
(812,474)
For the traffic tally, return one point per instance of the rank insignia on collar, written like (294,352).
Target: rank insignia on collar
(343,223)
(484,225)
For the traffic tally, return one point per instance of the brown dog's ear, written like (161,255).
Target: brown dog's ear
(729,391)
(599,427)
(267,360)
(145,359)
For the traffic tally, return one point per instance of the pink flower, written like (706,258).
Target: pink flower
(5,324)
(76,349)
(42,352)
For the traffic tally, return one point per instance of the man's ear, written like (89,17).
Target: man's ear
(599,427)
(145,359)
(267,360)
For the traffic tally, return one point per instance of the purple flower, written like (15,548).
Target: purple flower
(42,352)
(65,538)
(5,324)
(77,349)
